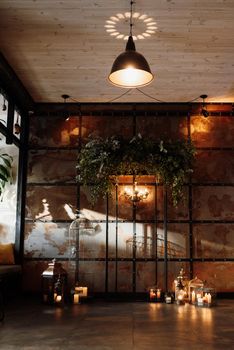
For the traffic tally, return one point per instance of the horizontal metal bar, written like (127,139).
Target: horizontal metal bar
(131,259)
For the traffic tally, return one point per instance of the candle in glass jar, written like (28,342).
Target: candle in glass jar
(58,298)
(193,297)
(158,293)
(209,298)
(76,299)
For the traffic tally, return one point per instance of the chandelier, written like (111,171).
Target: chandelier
(135,195)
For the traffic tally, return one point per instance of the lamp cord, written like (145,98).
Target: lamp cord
(131,24)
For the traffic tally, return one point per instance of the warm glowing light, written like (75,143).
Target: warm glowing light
(134,194)
(148,19)
(114,18)
(120,15)
(118,23)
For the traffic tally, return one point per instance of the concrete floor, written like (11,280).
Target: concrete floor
(101,325)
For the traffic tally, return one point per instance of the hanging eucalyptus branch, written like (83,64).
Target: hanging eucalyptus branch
(100,161)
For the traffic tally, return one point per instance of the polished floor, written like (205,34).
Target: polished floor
(102,325)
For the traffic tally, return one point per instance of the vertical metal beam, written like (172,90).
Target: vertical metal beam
(21,188)
(134,250)
(155,231)
(165,239)
(190,206)
(10,121)
(116,237)
(77,262)
(107,243)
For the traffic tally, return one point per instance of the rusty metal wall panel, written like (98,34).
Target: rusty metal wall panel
(145,276)
(213,241)
(217,274)
(52,166)
(106,126)
(111,276)
(54,131)
(124,276)
(177,241)
(181,211)
(214,202)
(93,241)
(51,202)
(212,131)
(212,166)
(92,275)
(32,271)
(154,127)
(46,240)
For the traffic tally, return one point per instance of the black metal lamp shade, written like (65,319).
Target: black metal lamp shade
(130,69)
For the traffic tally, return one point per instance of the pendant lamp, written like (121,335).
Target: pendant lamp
(130,69)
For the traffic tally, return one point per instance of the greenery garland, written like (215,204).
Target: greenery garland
(101,161)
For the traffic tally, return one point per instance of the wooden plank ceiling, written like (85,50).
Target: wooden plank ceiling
(58,47)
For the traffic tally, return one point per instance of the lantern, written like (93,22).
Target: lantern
(193,285)
(155,294)
(54,283)
(169,298)
(205,297)
(181,283)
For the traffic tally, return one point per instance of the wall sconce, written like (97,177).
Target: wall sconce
(134,194)
(204,111)
(66,114)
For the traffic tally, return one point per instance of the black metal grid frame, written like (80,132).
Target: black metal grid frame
(190,259)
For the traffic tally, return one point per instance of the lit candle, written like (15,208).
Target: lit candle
(199,301)
(180,297)
(158,293)
(85,291)
(168,300)
(193,297)
(76,299)
(209,298)
(55,296)
(58,298)
(199,296)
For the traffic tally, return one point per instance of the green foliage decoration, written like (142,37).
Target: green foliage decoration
(101,161)
(5,170)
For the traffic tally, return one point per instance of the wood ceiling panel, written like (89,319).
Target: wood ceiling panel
(60,47)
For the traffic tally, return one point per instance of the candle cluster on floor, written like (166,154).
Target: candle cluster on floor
(194,292)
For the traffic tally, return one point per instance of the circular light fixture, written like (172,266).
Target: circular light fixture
(143,23)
